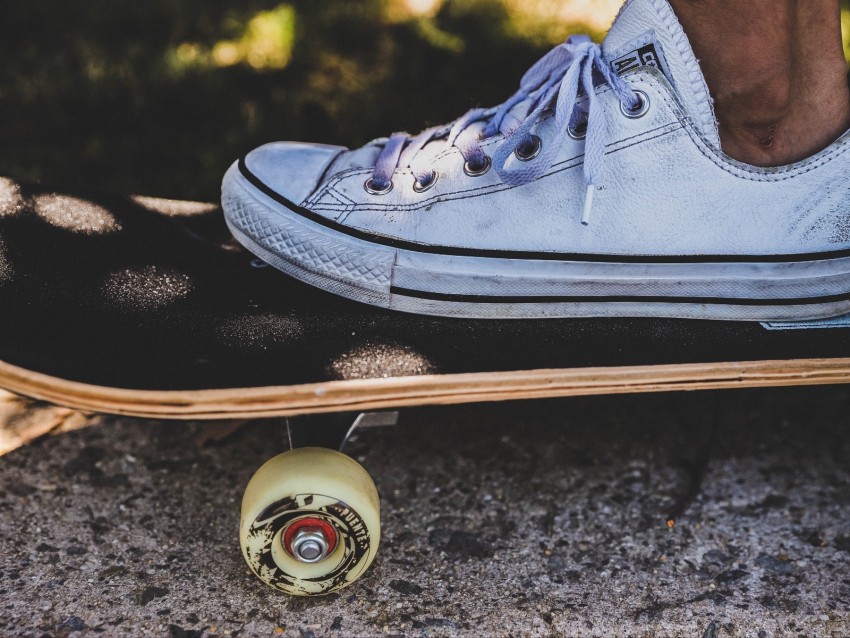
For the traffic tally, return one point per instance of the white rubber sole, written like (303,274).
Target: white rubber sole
(426,282)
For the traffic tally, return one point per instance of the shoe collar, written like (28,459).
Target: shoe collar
(648,33)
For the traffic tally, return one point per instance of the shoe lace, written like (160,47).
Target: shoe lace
(557,80)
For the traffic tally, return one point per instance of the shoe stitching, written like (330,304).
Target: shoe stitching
(560,167)
(695,75)
(833,152)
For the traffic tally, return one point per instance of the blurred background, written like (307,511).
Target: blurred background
(158,97)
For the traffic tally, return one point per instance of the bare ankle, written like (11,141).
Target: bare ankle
(776,71)
(779,124)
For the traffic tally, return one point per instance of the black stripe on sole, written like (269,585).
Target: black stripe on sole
(552,299)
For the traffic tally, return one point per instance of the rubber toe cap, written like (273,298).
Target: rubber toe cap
(292,169)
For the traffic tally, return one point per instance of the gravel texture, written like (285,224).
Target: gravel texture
(549,518)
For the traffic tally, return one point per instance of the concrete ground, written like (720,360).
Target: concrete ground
(547,518)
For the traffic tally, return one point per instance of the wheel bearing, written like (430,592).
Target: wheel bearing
(310,540)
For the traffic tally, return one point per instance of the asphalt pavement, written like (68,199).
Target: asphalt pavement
(713,515)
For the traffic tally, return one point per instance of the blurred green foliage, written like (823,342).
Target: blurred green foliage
(160,96)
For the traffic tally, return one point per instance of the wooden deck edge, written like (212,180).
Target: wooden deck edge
(375,394)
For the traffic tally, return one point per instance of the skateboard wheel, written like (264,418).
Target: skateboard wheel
(310,521)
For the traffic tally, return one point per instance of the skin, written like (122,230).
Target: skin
(776,71)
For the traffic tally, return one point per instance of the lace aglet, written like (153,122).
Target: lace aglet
(588,204)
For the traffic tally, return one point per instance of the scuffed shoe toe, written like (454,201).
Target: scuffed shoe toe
(292,169)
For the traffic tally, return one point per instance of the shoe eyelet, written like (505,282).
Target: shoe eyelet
(577,134)
(533,150)
(640,109)
(422,188)
(370,187)
(477,171)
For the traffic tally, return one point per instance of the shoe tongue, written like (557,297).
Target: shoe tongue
(647,33)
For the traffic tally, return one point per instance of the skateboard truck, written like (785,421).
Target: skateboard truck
(333,431)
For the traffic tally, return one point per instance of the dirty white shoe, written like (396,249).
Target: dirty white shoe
(598,189)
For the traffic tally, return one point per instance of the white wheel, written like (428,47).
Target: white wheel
(311,521)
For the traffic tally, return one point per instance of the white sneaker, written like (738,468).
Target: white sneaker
(599,189)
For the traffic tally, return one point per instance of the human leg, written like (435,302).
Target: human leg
(776,72)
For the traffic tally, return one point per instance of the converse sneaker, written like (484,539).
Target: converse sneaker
(598,189)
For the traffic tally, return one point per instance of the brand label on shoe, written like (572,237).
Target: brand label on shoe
(646,52)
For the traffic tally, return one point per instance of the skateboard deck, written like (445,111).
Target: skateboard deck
(147,307)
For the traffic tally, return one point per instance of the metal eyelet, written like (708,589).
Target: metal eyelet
(474,171)
(422,188)
(577,134)
(372,190)
(640,109)
(533,150)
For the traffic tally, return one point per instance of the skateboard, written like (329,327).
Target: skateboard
(147,307)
